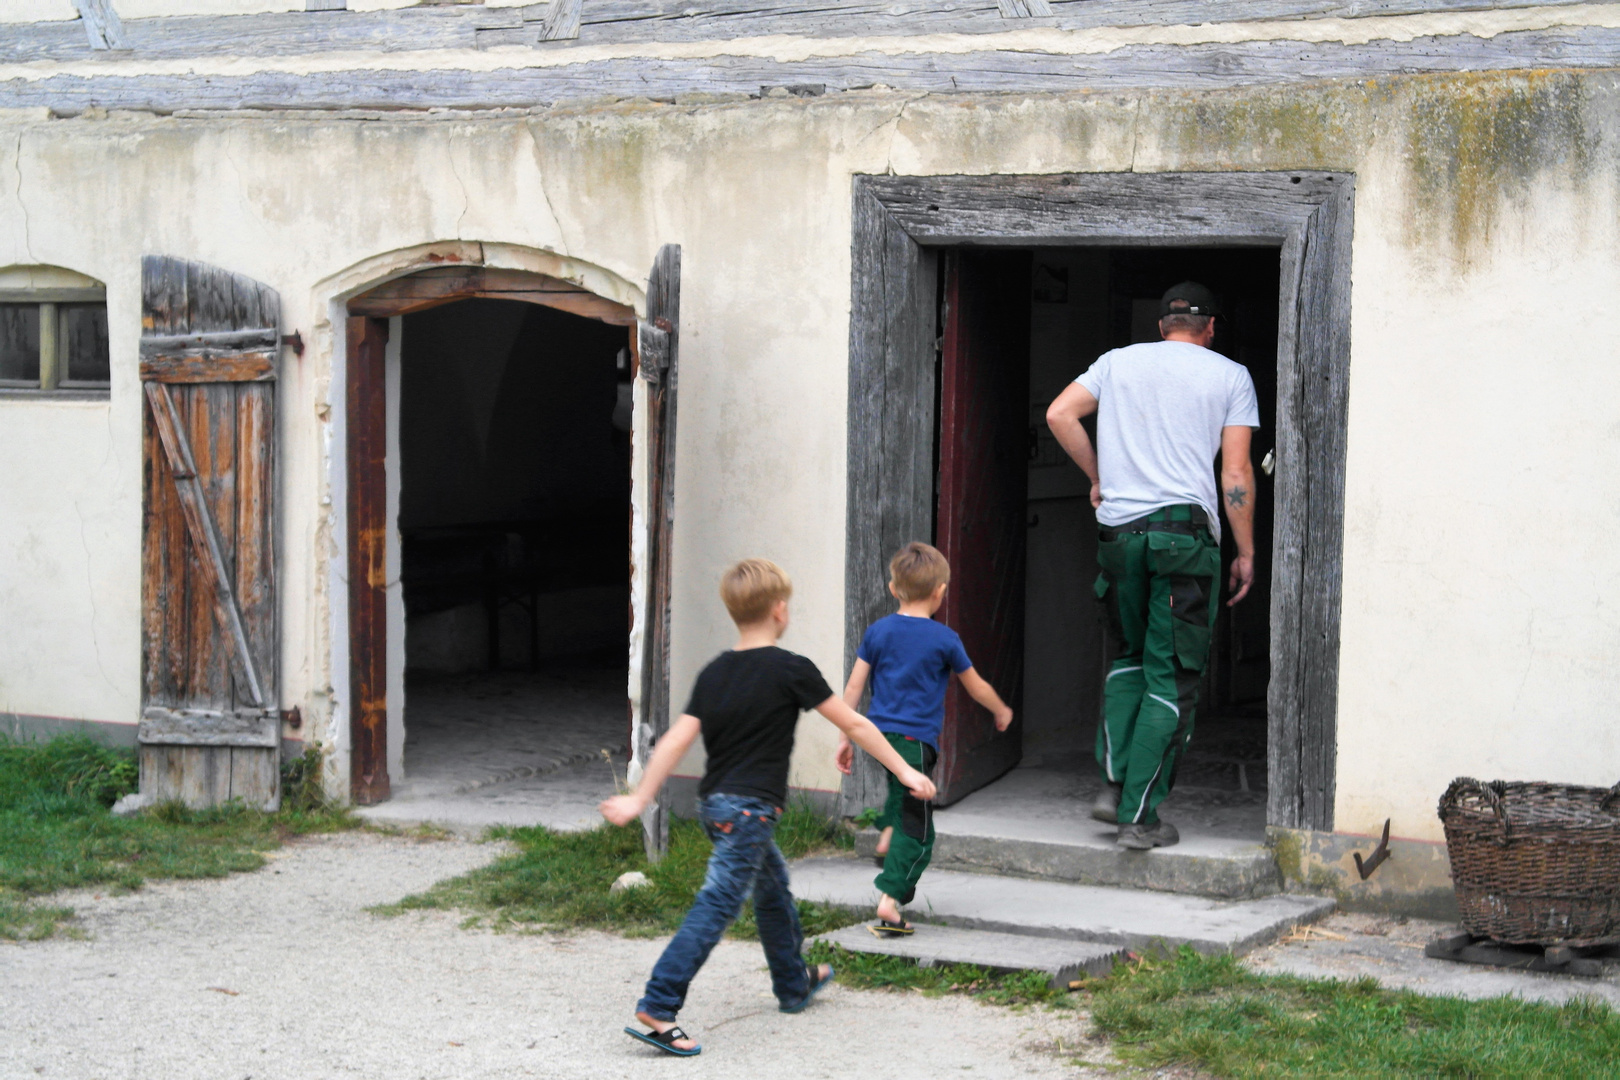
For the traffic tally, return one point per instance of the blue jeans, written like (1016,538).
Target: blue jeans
(745,856)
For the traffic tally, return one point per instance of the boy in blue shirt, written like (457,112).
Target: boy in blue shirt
(910,659)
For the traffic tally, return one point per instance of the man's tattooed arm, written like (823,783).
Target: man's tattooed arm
(1237,496)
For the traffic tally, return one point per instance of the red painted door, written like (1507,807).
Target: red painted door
(983,480)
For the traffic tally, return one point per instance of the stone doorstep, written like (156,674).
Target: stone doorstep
(1062,961)
(1088,855)
(1131,918)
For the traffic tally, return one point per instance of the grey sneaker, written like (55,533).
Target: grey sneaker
(1106,808)
(1145,837)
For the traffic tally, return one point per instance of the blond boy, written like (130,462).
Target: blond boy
(746,704)
(910,659)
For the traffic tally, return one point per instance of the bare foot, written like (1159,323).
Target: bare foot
(888,910)
(883,841)
(662,1026)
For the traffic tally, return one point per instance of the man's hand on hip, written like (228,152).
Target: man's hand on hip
(1096,494)
(1241,578)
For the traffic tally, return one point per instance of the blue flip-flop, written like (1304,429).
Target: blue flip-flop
(665,1041)
(815,984)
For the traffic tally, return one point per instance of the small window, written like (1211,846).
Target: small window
(54,339)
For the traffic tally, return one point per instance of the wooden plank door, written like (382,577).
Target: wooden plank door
(210,727)
(367,510)
(983,492)
(658,340)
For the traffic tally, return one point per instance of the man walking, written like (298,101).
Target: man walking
(1163,410)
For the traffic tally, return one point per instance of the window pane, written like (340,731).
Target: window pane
(19,342)
(84,342)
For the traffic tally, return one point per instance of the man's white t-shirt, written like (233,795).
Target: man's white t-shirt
(1160,410)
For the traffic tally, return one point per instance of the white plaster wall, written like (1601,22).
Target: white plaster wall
(18,11)
(1478,580)
(1482,585)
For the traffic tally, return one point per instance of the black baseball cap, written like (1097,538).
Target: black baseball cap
(1188,298)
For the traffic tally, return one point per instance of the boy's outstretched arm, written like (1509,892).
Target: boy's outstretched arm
(623,809)
(863,733)
(986,695)
(845,758)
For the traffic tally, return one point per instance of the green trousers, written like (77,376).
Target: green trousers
(1160,592)
(912,845)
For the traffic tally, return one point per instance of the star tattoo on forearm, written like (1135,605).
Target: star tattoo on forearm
(1237,496)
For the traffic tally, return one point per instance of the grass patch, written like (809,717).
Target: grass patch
(1213,1014)
(559,879)
(56,831)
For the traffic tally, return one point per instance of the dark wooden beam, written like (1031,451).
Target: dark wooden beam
(604,22)
(442,285)
(1257,63)
(367,560)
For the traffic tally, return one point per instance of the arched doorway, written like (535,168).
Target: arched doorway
(488,508)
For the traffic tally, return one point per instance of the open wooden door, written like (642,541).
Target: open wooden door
(210,727)
(983,491)
(658,340)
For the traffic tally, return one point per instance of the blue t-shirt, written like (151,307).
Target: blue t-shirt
(912,660)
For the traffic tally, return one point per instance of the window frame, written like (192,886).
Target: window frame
(53,379)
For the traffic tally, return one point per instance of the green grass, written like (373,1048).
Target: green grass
(561,879)
(56,831)
(1213,1014)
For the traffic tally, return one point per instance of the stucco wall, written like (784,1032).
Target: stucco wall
(1479,587)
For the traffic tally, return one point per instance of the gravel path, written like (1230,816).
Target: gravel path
(282,973)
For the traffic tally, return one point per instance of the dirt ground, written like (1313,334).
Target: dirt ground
(283,973)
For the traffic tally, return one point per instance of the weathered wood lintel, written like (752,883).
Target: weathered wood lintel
(209,366)
(1130,68)
(446,284)
(624,21)
(208,727)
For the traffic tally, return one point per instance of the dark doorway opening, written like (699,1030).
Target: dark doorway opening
(514,515)
(1079,303)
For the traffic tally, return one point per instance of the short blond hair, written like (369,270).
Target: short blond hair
(752,587)
(917,570)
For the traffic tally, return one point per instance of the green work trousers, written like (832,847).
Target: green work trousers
(912,845)
(1160,592)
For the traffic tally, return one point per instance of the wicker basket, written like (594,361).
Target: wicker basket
(1535,863)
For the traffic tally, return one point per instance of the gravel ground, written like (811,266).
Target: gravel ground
(282,973)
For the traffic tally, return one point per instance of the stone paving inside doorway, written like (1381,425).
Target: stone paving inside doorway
(510,748)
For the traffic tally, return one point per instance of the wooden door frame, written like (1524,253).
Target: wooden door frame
(899,222)
(366,418)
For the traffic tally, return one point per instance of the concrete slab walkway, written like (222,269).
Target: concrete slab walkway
(1390,950)
(1132,918)
(509,748)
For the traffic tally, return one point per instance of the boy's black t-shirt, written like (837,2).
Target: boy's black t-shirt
(749,701)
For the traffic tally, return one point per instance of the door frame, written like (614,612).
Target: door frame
(368,521)
(900,222)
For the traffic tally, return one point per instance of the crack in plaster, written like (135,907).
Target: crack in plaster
(466,199)
(1136,133)
(894,132)
(545,190)
(16,164)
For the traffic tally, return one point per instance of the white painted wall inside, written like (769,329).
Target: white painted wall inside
(1477,585)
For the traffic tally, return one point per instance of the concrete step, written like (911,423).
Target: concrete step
(1087,854)
(1062,961)
(1037,823)
(1132,918)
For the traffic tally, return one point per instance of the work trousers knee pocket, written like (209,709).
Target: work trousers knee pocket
(1111,560)
(1193,565)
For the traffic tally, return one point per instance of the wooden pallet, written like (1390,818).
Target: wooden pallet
(1554,959)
